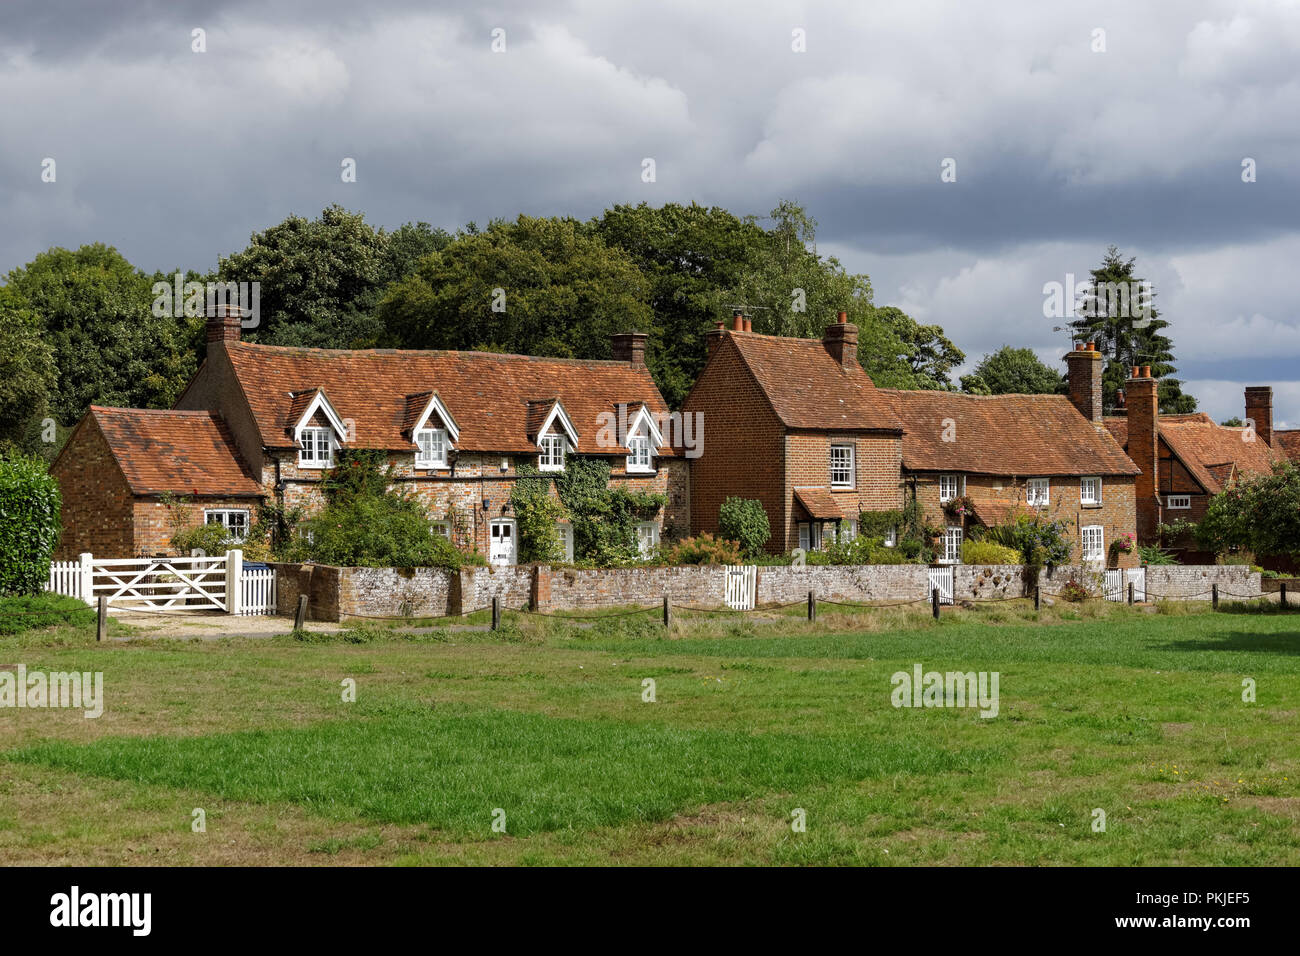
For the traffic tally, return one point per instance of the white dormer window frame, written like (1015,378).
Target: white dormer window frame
(431,448)
(317,443)
(552,456)
(555,439)
(643,442)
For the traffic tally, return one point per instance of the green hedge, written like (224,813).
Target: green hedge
(29,524)
(744,521)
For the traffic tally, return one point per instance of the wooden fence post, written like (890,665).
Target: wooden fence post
(234,580)
(101,626)
(301,616)
(668,612)
(1282,593)
(934,602)
(1214,596)
(812,606)
(86,590)
(1038,598)
(496,612)
(1130,594)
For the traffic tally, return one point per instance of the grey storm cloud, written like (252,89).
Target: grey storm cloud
(176,157)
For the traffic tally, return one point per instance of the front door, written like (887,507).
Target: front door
(502,549)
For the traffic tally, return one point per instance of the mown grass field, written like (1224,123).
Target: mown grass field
(543,724)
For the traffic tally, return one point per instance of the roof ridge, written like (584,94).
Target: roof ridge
(511,356)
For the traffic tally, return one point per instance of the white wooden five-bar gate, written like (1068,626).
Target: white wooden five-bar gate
(198,583)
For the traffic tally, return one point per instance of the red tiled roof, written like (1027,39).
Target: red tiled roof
(809,389)
(538,410)
(487,393)
(1016,435)
(1213,452)
(819,503)
(182,452)
(1288,442)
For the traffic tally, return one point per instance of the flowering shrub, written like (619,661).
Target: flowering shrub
(1124,543)
(959,507)
(1074,592)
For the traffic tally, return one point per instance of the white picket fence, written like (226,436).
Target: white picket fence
(742,586)
(196,583)
(258,586)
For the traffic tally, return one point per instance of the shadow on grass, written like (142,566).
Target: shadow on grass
(1285,643)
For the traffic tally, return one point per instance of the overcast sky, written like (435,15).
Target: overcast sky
(175,157)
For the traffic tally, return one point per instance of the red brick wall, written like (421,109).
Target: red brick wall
(96,499)
(877,460)
(742,448)
(1143,449)
(1117,513)
(154,523)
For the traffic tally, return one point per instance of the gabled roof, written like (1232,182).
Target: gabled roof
(488,392)
(1015,435)
(808,389)
(547,416)
(182,452)
(641,419)
(306,405)
(423,406)
(1212,453)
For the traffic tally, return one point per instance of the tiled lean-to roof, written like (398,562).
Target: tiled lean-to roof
(494,398)
(181,452)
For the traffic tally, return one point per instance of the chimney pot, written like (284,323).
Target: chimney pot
(842,318)
(1146,371)
(1084,373)
(738,322)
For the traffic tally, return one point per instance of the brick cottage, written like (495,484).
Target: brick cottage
(798,425)
(264,423)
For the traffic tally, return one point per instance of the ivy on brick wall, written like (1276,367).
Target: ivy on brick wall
(29,524)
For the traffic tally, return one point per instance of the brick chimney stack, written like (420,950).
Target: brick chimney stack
(224,325)
(841,340)
(1143,447)
(713,338)
(1085,368)
(1259,409)
(629,347)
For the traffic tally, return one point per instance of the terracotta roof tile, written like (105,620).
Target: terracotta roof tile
(994,511)
(819,503)
(808,388)
(1206,447)
(486,392)
(182,452)
(1288,442)
(1016,435)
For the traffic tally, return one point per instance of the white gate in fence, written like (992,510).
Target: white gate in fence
(199,583)
(742,586)
(1118,580)
(941,578)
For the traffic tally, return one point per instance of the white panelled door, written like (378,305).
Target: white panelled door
(502,550)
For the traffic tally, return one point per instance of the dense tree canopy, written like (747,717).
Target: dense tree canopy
(1012,371)
(1259,514)
(95,314)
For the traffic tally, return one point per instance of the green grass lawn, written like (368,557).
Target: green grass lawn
(543,727)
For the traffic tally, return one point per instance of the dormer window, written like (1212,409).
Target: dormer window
(638,458)
(316,448)
(432,444)
(643,440)
(552,456)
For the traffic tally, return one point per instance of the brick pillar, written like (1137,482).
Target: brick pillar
(1085,373)
(539,598)
(1143,448)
